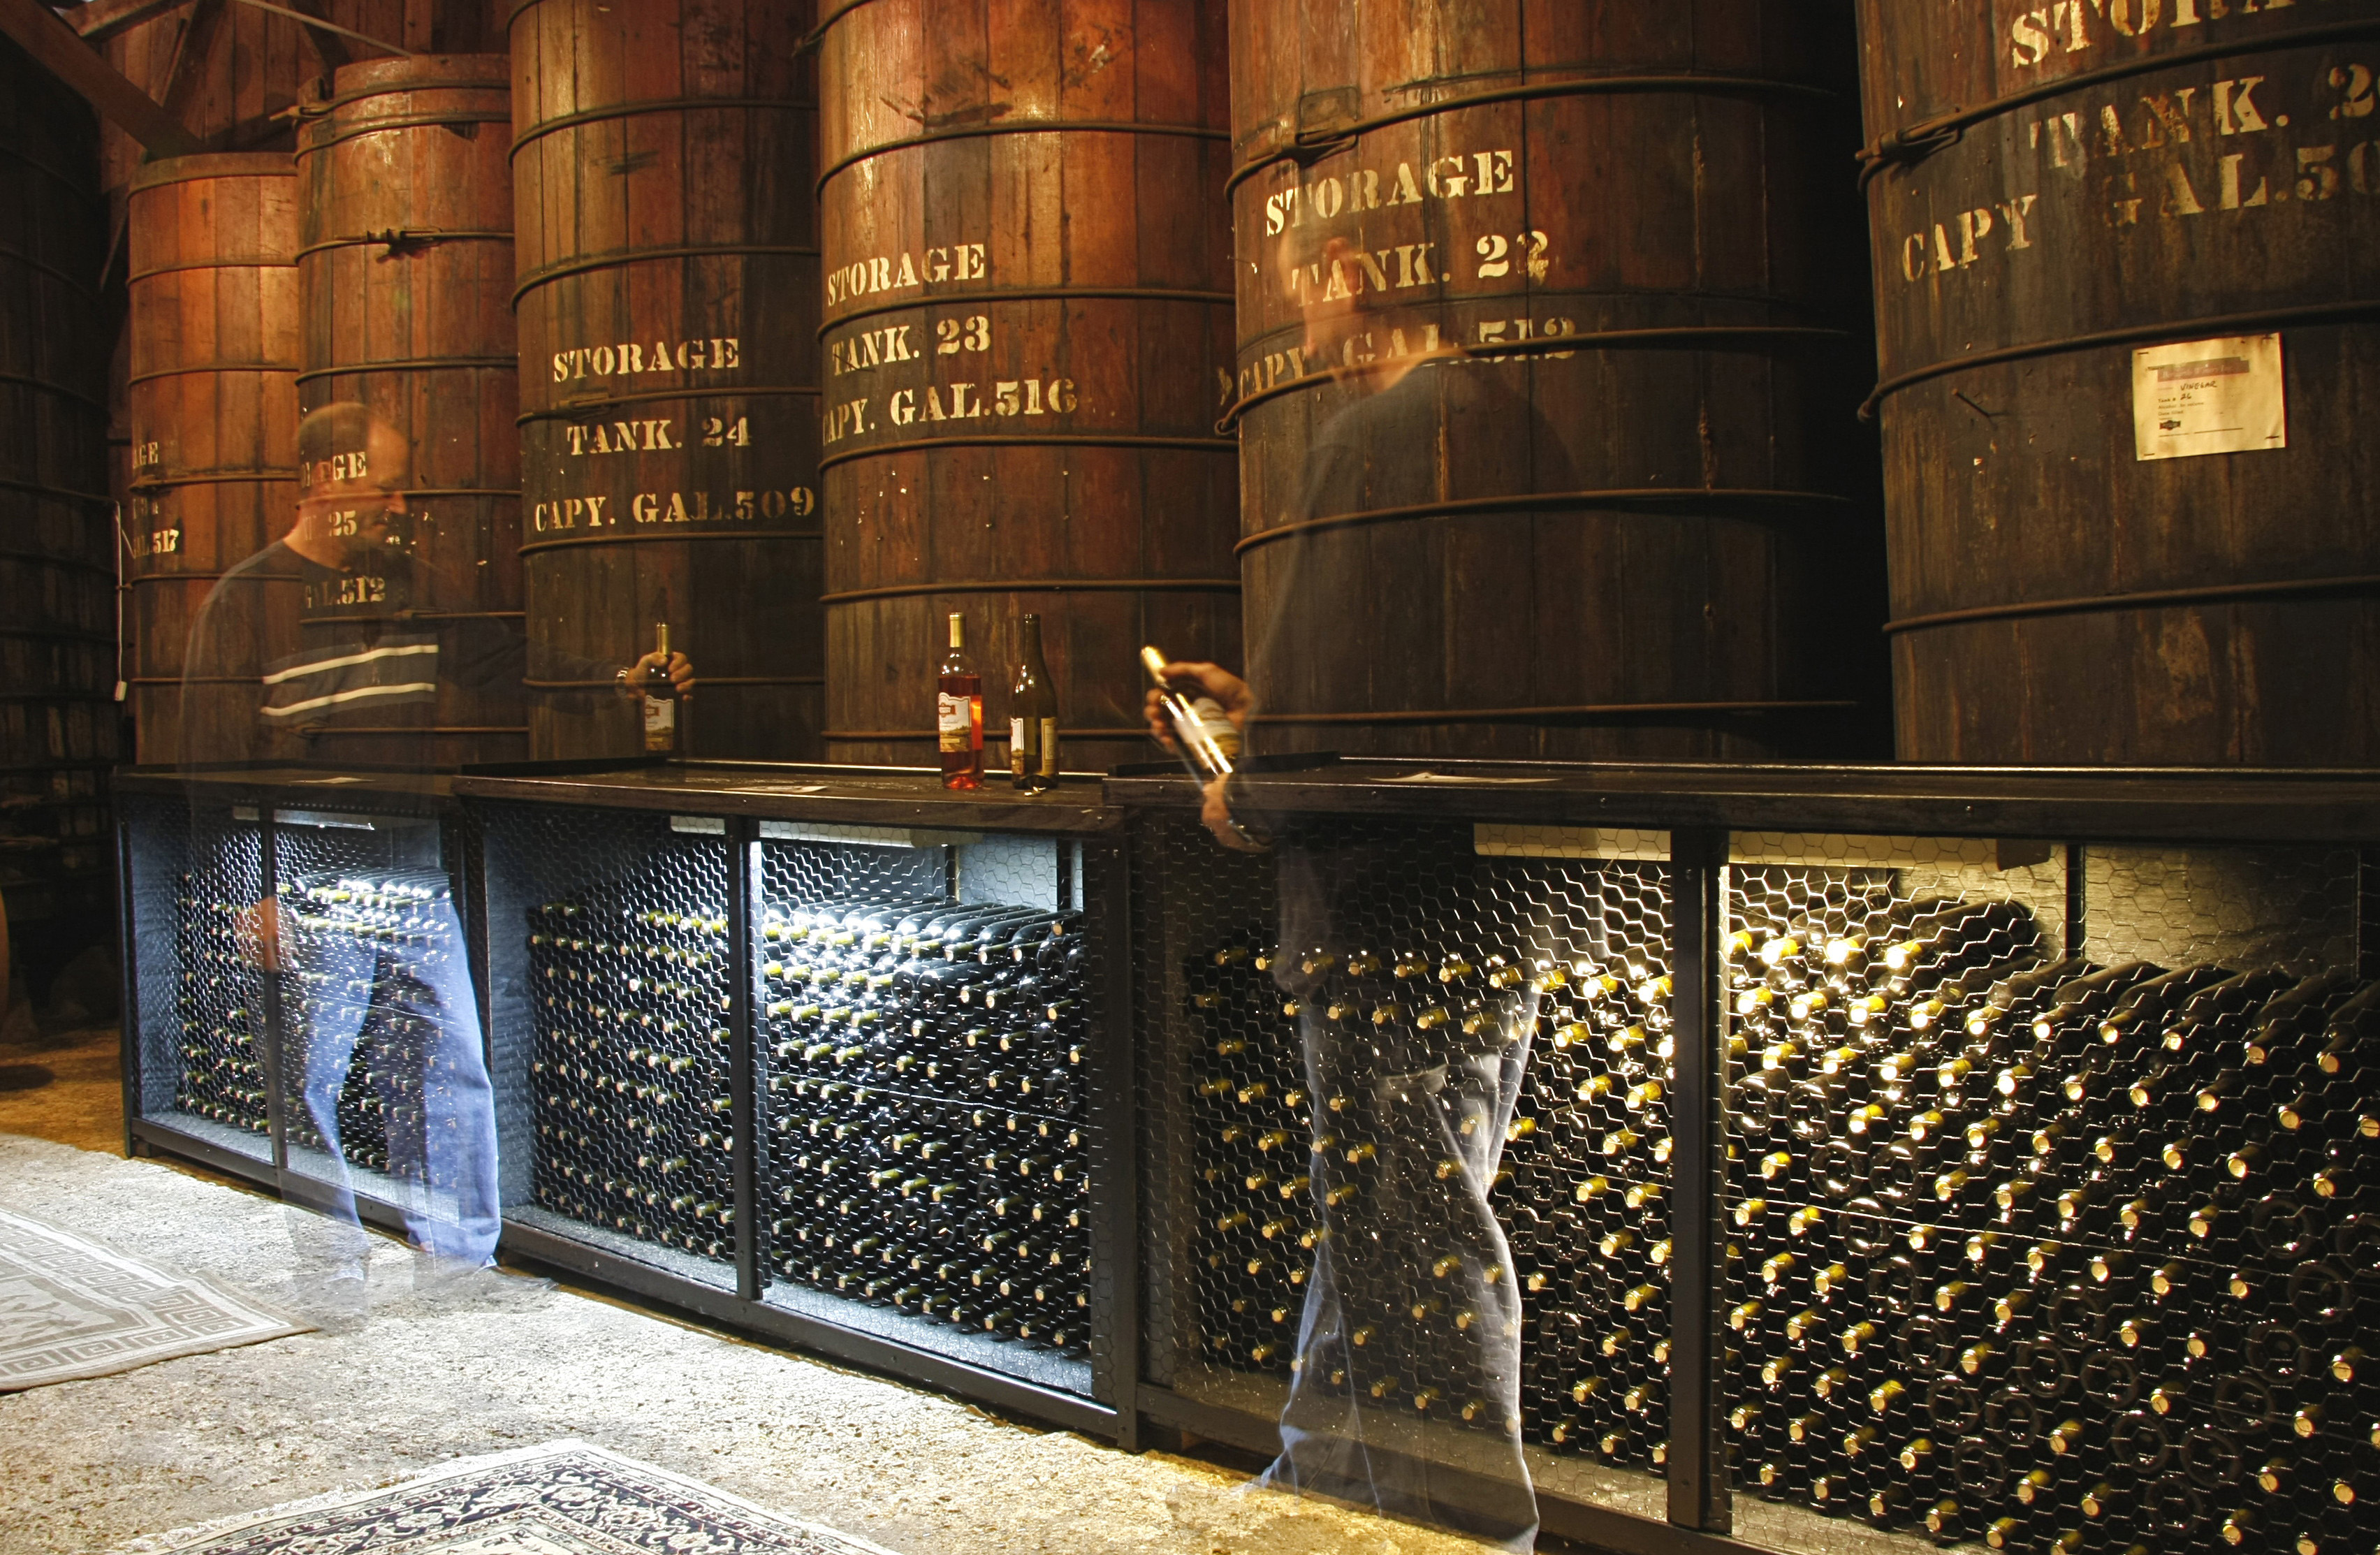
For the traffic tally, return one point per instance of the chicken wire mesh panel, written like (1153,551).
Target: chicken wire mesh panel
(928,1006)
(197,875)
(2045,1196)
(1305,1015)
(368,923)
(611,998)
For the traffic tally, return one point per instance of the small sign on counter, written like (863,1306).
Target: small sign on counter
(2208,396)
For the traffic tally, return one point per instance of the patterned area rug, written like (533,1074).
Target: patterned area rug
(565,1498)
(70,1308)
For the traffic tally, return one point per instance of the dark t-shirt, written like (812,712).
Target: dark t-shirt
(1449,430)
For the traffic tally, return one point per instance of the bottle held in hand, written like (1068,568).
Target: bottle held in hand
(1203,732)
(659,699)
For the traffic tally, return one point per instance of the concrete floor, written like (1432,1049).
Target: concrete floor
(425,1365)
(68,1087)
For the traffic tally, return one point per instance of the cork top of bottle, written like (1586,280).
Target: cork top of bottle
(958,629)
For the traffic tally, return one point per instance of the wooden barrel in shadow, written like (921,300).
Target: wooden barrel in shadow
(59,722)
(213,408)
(1026,340)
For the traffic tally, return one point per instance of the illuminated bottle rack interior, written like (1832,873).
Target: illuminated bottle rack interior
(1298,1017)
(1287,1134)
(924,1102)
(356,948)
(831,1081)
(250,941)
(2053,1241)
(634,1111)
(924,1030)
(219,1069)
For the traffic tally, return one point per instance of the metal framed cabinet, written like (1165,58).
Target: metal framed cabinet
(215,1039)
(1902,1155)
(835,1055)
(1899,1154)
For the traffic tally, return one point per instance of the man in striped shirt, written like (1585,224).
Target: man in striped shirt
(370,634)
(359,639)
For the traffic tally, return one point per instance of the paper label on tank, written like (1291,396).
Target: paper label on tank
(2208,396)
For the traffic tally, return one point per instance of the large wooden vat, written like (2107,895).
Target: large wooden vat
(404,284)
(213,402)
(1026,336)
(57,575)
(2191,180)
(668,299)
(1540,383)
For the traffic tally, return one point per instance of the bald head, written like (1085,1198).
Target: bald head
(352,469)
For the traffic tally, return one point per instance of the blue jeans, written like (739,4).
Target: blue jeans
(430,1069)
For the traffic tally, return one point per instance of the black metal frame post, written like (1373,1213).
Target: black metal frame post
(1113,1112)
(1698,1495)
(2367,912)
(128,957)
(276,1108)
(463,858)
(743,1067)
(2078,902)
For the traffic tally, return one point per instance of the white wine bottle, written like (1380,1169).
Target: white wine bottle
(1032,717)
(1208,739)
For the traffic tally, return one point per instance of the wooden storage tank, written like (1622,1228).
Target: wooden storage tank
(404,284)
(212,406)
(1028,333)
(2128,271)
(1541,384)
(57,572)
(668,306)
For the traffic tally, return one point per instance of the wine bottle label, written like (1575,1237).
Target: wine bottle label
(1217,726)
(1020,748)
(1049,748)
(951,717)
(660,723)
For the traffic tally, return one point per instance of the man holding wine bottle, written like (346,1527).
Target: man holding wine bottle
(358,610)
(1211,694)
(1411,1066)
(370,636)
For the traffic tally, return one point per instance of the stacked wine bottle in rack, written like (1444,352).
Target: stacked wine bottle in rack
(1318,1108)
(2045,1252)
(928,1147)
(631,1068)
(361,954)
(219,1005)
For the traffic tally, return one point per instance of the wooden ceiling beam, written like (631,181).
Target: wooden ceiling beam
(56,47)
(101,20)
(104,19)
(187,74)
